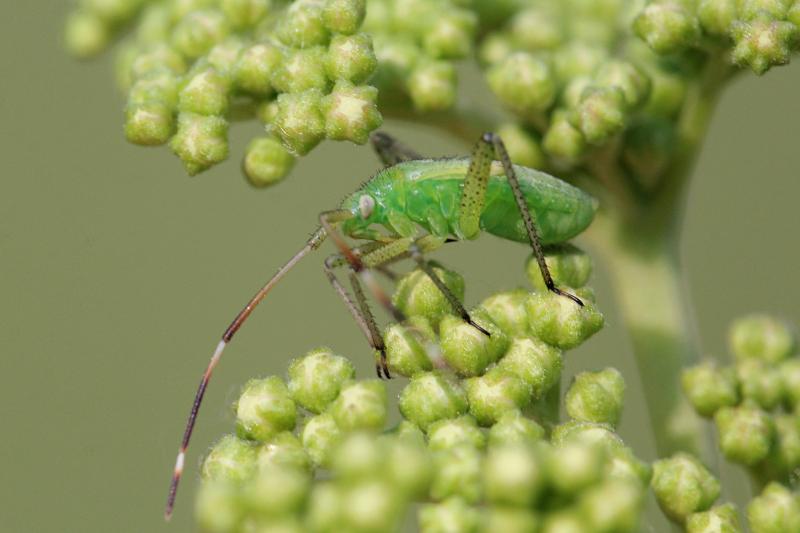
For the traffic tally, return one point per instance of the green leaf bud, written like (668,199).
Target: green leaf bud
(201,141)
(763,43)
(255,67)
(634,83)
(361,405)
(745,434)
(206,93)
(513,428)
(523,148)
(775,510)
(468,350)
(276,490)
(719,519)
(197,32)
(534,362)
(614,505)
(510,520)
(373,505)
(406,346)
(667,27)
(230,460)
(600,114)
(156,59)
(716,16)
(351,113)
(417,295)
(149,123)
(569,266)
(86,34)
(523,83)
(303,25)
(316,378)
(243,14)
(760,382)
(325,508)
(432,86)
(301,70)
(683,486)
(507,310)
(454,432)
(451,34)
(351,58)
(537,28)
(344,16)
(430,397)
(513,475)
(790,371)
(577,59)
(284,450)
(495,393)
(409,466)
(320,436)
(709,388)
(266,162)
(564,521)
(596,396)
(264,409)
(451,515)
(299,122)
(458,472)
(560,322)
(575,466)
(761,337)
(358,456)
(563,141)
(218,508)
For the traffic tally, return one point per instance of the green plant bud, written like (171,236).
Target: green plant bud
(451,34)
(156,59)
(320,436)
(534,362)
(358,456)
(716,16)
(301,70)
(596,396)
(284,450)
(316,378)
(266,111)
(372,505)
(361,405)
(276,490)
(266,162)
(218,508)
(351,58)
(775,9)
(760,383)
(155,87)
(537,28)
(454,432)
(409,466)
(574,466)
(523,83)
(417,295)
(634,83)
(569,266)
(206,93)
(155,24)
(396,59)
(523,148)
(667,27)
(149,123)
(513,475)
(254,68)
(761,337)
(230,460)
(406,346)
(626,466)
(410,432)
(785,455)
(510,520)
(560,322)
(223,57)
(790,371)
(344,16)
(468,350)
(613,506)
(303,25)
(449,516)
(197,32)
(564,521)
(683,486)
(588,434)
(775,510)
(507,310)
(600,114)
(763,43)
(413,16)
(86,34)
(495,48)
(430,397)
(709,388)
(563,141)
(299,122)
(432,86)
(719,519)
(513,428)
(243,14)
(495,393)
(458,473)
(745,433)
(201,141)
(325,508)
(351,113)
(577,59)
(264,409)
(126,55)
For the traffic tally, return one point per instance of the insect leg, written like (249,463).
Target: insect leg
(473,196)
(390,150)
(494,141)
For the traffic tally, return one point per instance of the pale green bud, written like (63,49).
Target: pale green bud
(86,34)
(523,83)
(230,460)
(577,59)
(563,141)
(149,123)
(201,141)
(514,475)
(244,14)
(409,466)
(495,393)
(613,506)
(276,490)
(719,519)
(406,346)
(507,310)
(514,428)
(523,148)
(760,382)
(560,322)
(254,68)
(745,434)
(301,70)
(575,466)
(206,93)
(351,113)
(197,32)
(320,436)
(569,266)
(716,16)
(417,295)
(344,16)
(776,510)
(266,162)
(763,43)
(495,48)
(449,516)
(316,378)
(510,520)
(785,455)
(564,521)
(451,34)
(623,464)
(361,405)
(596,396)
(588,434)
(537,28)
(264,409)
(790,372)
(667,93)
(372,505)
(775,9)
(358,456)
(351,58)
(396,59)
(223,56)
(283,450)
(709,388)
(410,432)
(600,114)
(683,486)
(325,508)
(667,27)
(468,350)
(761,337)
(432,86)
(458,472)
(218,508)
(299,122)
(634,84)
(156,59)
(454,432)
(155,24)
(159,86)
(430,397)
(303,25)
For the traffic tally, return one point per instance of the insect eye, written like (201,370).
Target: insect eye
(366,204)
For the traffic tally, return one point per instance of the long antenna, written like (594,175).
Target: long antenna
(312,244)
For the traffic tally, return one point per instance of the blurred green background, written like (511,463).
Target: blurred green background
(119,273)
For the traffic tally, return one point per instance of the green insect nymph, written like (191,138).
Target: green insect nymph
(412,207)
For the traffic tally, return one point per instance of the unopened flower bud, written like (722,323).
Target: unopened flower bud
(301,70)
(745,434)
(507,310)
(634,84)
(510,520)
(458,472)
(299,122)
(325,507)
(197,32)
(373,505)
(495,48)
(537,28)
(468,350)
(709,388)
(716,16)
(264,409)
(513,475)
(254,68)
(351,113)
(790,372)
(451,515)
(201,141)
(600,114)
(316,378)
(243,14)
(149,123)
(614,505)
(568,265)
(761,337)
(451,34)
(523,83)
(206,93)
(560,322)
(409,465)
(514,428)
(719,519)
(577,59)
(683,486)
(344,16)
(432,86)
(454,432)
(596,396)
(224,55)
(407,346)
(575,466)
(361,405)
(763,42)
(351,58)
(155,59)
(775,510)
(276,490)
(320,436)
(760,382)
(303,25)
(536,363)
(494,394)
(358,456)
(230,460)
(564,521)
(266,161)
(283,450)
(667,27)
(588,434)
(523,148)
(86,34)
(785,456)
(430,397)
(416,294)
(563,141)
(218,508)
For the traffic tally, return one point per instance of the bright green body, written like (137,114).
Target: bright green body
(427,194)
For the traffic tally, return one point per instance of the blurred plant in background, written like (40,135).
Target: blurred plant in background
(614,96)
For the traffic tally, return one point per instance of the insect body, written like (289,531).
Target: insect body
(413,207)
